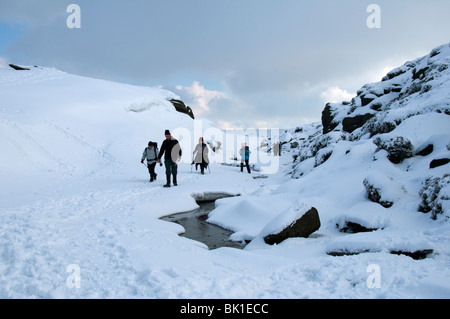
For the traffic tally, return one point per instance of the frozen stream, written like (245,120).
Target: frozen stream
(198,229)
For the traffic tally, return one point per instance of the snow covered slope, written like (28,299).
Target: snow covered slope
(377,169)
(80,220)
(55,125)
(56,121)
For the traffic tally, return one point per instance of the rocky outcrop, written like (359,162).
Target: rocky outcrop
(18,68)
(182,108)
(350,124)
(328,121)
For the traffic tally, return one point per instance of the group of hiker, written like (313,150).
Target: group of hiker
(171,150)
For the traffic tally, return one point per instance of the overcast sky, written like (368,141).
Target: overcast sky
(251,63)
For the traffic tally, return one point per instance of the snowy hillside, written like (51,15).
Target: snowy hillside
(62,125)
(79,218)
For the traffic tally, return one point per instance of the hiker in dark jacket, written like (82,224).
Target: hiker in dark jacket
(201,155)
(151,155)
(171,150)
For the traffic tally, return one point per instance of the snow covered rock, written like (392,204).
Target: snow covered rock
(298,221)
(399,148)
(382,189)
(435,196)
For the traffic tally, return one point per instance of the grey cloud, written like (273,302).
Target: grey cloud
(264,52)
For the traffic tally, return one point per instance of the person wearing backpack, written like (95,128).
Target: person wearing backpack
(151,155)
(172,155)
(245,157)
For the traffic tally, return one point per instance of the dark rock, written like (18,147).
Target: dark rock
(366,99)
(349,124)
(353,228)
(344,252)
(416,255)
(396,88)
(426,150)
(374,194)
(328,122)
(376,106)
(439,162)
(182,108)
(18,68)
(302,227)
(414,88)
(394,73)
(420,74)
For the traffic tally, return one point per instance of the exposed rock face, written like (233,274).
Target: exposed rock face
(350,124)
(328,122)
(307,224)
(18,68)
(182,108)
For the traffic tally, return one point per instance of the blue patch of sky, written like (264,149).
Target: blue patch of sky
(8,34)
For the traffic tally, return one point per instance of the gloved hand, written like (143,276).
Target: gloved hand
(142,161)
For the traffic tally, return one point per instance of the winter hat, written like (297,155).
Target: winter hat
(167,132)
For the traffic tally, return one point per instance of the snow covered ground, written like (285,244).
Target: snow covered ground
(79,219)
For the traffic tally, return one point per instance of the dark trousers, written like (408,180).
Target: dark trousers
(203,165)
(171,169)
(151,170)
(246,164)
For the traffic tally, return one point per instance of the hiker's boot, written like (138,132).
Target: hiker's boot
(168,181)
(175,180)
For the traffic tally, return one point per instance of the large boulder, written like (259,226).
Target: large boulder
(298,221)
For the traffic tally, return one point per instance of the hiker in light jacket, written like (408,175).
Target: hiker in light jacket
(151,155)
(201,155)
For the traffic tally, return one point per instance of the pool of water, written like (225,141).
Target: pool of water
(198,229)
